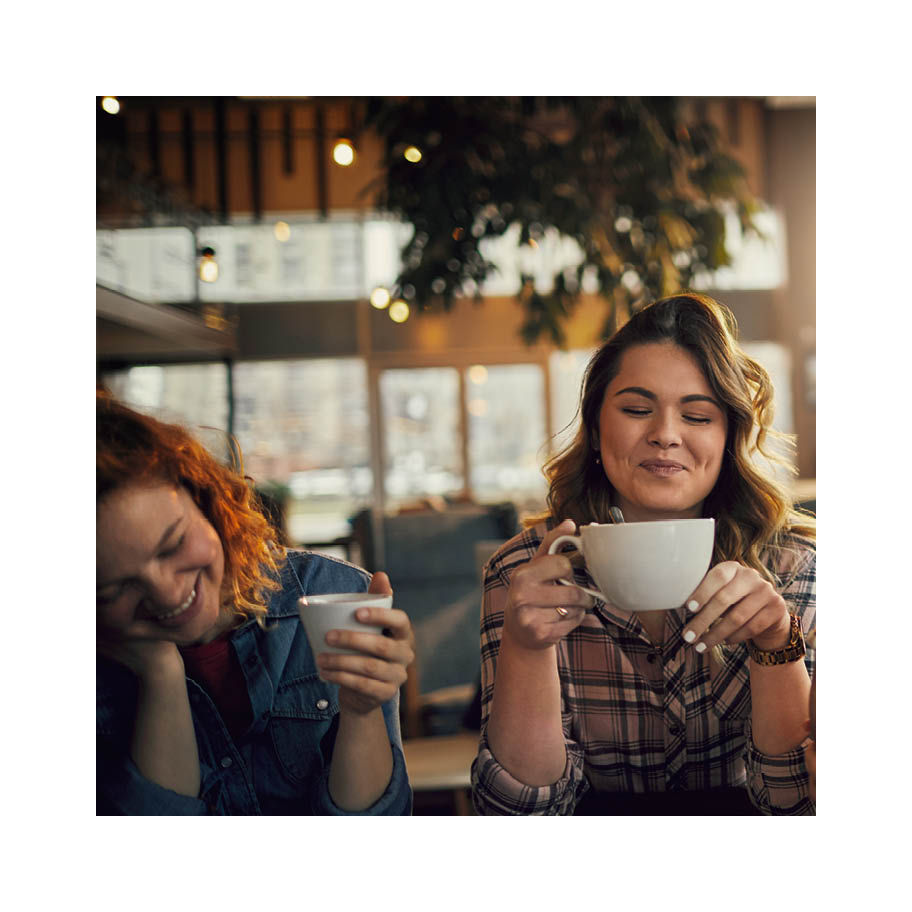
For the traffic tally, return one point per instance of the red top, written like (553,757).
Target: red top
(215,666)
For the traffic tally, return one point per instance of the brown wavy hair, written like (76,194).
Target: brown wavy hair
(132,448)
(753,511)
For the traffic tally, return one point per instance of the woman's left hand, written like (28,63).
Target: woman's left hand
(374,675)
(738,604)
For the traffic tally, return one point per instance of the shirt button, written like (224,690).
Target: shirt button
(226,762)
(322,704)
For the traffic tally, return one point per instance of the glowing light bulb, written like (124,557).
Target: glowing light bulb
(380,298)
(110,104)
(412,154)
(208,268)
(343,153)
(282,231)
(399,311)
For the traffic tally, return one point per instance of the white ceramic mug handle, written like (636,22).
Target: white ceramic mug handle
(576,541)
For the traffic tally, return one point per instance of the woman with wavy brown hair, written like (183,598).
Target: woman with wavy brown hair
(587,708)
(210,699)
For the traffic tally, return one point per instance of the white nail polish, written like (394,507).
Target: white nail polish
(693,605)
(700,647)
(689,637)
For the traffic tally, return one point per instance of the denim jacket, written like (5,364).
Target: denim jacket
(281,764)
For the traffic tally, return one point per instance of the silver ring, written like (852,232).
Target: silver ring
(562,611)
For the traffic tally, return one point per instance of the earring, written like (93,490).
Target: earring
(598,460)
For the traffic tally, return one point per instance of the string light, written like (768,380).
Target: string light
(208,267)
(110,104)
(399,311)
(282,231)
(412,154)
(343,153)
(380,298)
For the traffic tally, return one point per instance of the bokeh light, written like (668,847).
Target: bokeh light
(380,298)
(399,311)
(208,267)
(282,231)
(110,104)
(343,153)
(478,374)
(412,154)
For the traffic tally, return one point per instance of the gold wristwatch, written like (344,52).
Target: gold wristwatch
(791,652)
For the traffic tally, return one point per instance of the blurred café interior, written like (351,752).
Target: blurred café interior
(250,254)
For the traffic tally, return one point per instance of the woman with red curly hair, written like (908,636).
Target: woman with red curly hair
(210,699)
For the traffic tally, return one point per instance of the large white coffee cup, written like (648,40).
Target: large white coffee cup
(644,566)
(336,611)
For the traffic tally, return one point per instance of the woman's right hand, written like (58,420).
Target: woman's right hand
(163,745)
(147,659)
(531,620)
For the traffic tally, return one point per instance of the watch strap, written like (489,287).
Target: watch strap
(791,652)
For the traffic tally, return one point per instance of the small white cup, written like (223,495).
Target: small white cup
(644,566)
(336,611)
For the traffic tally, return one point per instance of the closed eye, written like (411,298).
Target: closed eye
(636,412)
(110,596)
(170,552)
(697,419)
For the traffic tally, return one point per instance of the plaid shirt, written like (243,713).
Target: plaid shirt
(639,717)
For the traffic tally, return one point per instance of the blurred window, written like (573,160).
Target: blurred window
(245,275)
(304,430)
(191,394)
(506,433)
(343,258)
(151,264)
(302,427)
(566,370)
(421,428)
(777,361)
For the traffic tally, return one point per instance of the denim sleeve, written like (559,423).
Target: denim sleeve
(397,799)
(122,789)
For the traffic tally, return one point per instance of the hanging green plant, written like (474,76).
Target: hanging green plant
(640,185)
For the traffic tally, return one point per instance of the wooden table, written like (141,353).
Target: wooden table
(442,763)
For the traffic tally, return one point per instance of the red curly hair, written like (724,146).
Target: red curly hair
(131,448)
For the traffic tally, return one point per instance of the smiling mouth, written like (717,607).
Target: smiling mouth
(662,468)
(180,608)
